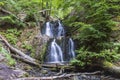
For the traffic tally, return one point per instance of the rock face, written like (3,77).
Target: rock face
(7,73)
(40,42)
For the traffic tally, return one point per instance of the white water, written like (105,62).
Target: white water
(71,48)
(60,30)
(48,30)
(56,52)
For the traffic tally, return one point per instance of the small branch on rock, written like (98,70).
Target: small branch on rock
(23,56)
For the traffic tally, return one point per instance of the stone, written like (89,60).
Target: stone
(39,43)
(7,73)
(20,73)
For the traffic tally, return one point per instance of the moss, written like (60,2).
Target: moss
(32,52)
(43,52)
(9,60)
(29,48)
(26,75)
(27,67)
(107,64)
(53,69)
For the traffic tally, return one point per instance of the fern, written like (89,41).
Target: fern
(10,61)
(7,19)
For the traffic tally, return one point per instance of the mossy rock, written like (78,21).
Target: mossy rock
(40,43)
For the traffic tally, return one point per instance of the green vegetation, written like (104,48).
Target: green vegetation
(12,35)
(43,53)
(90,23)
(85,57)
(29,48)
(94,23)
(10,61)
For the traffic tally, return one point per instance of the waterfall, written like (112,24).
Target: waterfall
(56,54)
(59,49)
(71,49)
(48,30)
(60,30)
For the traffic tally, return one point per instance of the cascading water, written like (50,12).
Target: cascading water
(57,51)
(56,54)
(71,49)
(48,30)
(60,30)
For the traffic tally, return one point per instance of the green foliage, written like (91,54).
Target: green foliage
(43,53)
(7,19)
(32,7)
(30,48)
(79,63)
(86,57)
(91,22)
(11,21)
(117,46)
(10,60)
(110,55)
(12,34)
(29,8)
(1,3)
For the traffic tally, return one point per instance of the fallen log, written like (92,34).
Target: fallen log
(25,60)
(20,53)
(53,65)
